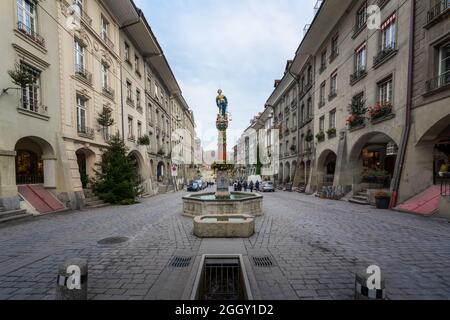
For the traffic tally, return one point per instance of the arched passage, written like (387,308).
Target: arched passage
(160,171)
(86,164)
(281,173)
(372,160)
(302,173)
(326,168)
(35,162)
(287,173)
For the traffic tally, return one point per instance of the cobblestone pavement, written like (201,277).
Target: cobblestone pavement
(316,245)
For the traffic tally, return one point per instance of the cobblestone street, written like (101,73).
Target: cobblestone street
(316,246)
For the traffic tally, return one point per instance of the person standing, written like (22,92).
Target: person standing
(251,186)
(257,186)
(245,186)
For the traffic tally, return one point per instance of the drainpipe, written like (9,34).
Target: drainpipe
(405,138)
(121,103)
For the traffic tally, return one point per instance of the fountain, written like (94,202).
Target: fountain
(222,202)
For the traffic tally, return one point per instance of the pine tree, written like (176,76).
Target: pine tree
(117,181)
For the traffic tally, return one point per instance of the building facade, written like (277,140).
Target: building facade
(72,64)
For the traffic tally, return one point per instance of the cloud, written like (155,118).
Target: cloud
(240,46)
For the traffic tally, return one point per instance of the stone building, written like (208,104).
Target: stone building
(30,134)
(82,59)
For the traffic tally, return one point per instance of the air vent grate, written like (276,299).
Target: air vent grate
(265,262)
(180,262)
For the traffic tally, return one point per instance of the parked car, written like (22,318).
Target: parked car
(193,187)
(267,186)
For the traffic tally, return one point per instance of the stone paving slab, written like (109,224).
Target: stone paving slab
(316,245)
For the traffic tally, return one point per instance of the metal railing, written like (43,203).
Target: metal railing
(33,35)
(108,91)
(107,40)
(438,82)
(33,105)
(358,74)
(438,9)
(22,179)
(82,72)
(384,53)
(86,132)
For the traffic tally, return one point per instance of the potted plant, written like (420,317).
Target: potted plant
(144,140)
(382,199)
(331,132)
(320,136)
(309,137)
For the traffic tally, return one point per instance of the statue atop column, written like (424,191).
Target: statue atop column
(222,103)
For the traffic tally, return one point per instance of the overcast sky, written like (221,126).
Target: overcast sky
(240,46)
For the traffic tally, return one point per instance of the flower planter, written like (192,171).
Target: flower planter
(382,203)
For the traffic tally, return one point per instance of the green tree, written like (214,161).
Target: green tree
(117,181)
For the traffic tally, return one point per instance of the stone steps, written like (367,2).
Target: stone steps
(7,216)
(92,201)
(361,197)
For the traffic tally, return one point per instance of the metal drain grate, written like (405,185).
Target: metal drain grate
(113,240)
(265,262)
(180,262)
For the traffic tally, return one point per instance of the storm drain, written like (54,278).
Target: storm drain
(265,262)
(180,262)
(113,240)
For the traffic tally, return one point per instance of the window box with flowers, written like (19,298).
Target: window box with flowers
(331,133)
(309,137)
(320,136)
(357,109)
(380,112)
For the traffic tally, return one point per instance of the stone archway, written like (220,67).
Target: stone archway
(287,173)
(35,162)
(326,168)
(373,159)
(86,159)
(160,171)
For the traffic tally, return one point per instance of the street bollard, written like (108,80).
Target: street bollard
(72,280)
(365,292)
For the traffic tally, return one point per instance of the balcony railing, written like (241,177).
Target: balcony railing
(80,13)
(384,54)
(22,179)
(34,36)
(33,105)
(86,132)
(438,82)
(108,91)
(358,75)
(83,73)
(438,10)
(107,40)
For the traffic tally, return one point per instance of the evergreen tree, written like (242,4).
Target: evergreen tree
(117,181)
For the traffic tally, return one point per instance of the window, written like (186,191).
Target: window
(127,52)
(105,76)
(309,110)
(104,28)
(388,33)
(138,98)
(334,47)
(385,91)
(361,58)
(322,124)
(156,91)
(150,112)
(310,75)
(78,7)
(444,63)
(139,128)
(302,114)
(129,91)
(294,120)
(332,124)
(31,93)
(79,57)
(26,16)
(333,84)
(361,17)
(323,60)
(81,114)
(130,128)
(136,63)
(322,94)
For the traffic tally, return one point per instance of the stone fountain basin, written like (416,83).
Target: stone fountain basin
(224,226)
(208,204)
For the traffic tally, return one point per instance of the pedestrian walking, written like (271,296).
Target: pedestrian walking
(251,186)
(245,186)
(257,186)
